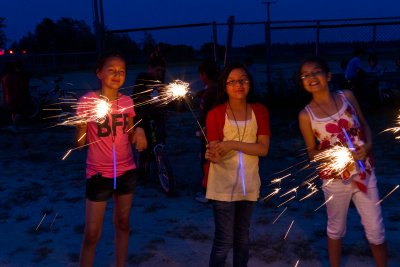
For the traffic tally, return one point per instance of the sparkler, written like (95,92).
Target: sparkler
(352,148)
(93,109)
(395,129)
(334,160)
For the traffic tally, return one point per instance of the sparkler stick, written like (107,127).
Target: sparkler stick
(287,232)
(242,172)
(297,263)
(352,148)
(377,203)
(37,227)
(279,215)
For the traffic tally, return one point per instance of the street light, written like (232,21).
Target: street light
(268,44)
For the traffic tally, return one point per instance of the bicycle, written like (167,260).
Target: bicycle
(157,163)
(54,104)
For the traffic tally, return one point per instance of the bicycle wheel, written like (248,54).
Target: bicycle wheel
(164,172)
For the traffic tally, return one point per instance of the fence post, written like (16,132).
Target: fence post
(317,38)
(231,21)
(215,40)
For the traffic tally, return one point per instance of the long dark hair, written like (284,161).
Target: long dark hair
(222,95)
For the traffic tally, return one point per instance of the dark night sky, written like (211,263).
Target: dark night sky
(23,15)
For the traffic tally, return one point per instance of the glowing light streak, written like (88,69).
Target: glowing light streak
(79,147)
(286,201)
(388,194)
(37,227)
(287,232)
(313,191)
(114,165)
(241,167)
(329,199)
(291,190)
(273,193)
(297,263)
(277,218)
(278,180)
(51,225)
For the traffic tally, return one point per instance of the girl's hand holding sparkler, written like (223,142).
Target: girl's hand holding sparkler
(138,137)
(211,153)
(361,152)
(80,134)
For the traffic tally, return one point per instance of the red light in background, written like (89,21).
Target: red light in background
(11,52)
(23,52)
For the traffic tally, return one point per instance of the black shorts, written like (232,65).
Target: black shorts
(99,188)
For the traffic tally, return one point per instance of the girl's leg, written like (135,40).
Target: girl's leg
(380,254)
(241,244)
(339,196)
(122,208)
(371,219)
(94,215)
(224,214)
(334,252)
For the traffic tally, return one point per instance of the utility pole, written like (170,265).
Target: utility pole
(99,24)
(268,45)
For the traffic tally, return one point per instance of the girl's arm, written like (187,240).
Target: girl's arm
(362,151)
(137,136)
(308,135)
(256,149)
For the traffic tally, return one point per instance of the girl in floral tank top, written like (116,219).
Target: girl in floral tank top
(328,120)
(329,132)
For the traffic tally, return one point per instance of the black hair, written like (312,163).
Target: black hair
(210,68)
(105,56)
(222,95)
(320,62)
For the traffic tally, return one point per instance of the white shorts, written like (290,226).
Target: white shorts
(338,206)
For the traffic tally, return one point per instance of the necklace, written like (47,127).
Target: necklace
(237,126)
(326,113)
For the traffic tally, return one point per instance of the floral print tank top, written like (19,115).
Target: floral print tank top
(329,132)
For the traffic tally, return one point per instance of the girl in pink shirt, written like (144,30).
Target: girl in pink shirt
(110,169)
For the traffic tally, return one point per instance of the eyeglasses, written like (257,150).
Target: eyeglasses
(235,82)
(312,74)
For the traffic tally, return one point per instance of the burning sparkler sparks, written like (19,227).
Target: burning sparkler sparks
(334,160)
(395,129)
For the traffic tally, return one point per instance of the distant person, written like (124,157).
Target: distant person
(322,123)
(238,134)
(13,94)
(374,67)
(110,168)
(148,87)
(209,72)
(355,75)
